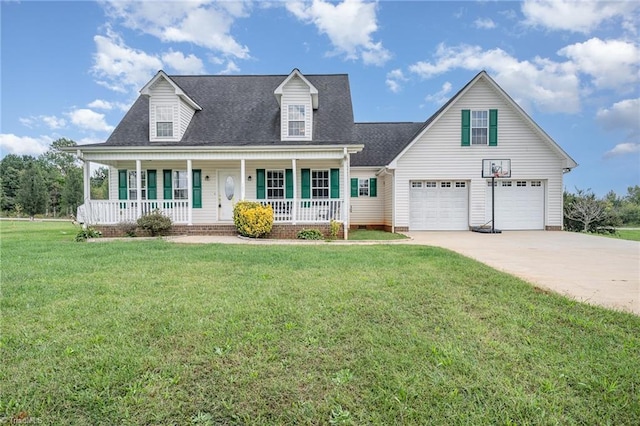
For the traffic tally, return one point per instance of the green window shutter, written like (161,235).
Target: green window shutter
(197,188)
(122,184)
(354,187)
(373,187)
(260,184)
(166,184)
(334,183)
(466,127)
(306,183)
(493,127)
(152,187)
(288,183)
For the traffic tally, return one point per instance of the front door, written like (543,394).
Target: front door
(228,193)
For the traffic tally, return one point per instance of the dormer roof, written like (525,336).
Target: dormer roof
(146,90)
(296,73)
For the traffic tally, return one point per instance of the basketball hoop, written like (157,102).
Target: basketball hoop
(496,168)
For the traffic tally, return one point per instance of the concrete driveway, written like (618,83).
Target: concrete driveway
(592,269)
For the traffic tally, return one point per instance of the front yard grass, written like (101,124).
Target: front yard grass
(628,234)
(152,332)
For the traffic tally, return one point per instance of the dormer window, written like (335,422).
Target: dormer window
(164,122)
(296,120)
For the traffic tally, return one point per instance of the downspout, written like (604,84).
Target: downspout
(385,171)
(347,203)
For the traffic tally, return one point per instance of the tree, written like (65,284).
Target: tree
(72,192)
(62,161)
(32,195)
(584,208)
(11,168)
(633,195)
(100,184)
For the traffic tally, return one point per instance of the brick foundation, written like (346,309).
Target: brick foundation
(553,228)
(279,231)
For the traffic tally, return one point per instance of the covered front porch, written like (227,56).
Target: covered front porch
(195,187)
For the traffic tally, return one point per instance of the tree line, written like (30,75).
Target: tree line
(49,185)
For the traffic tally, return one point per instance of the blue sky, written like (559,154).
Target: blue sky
(71,69)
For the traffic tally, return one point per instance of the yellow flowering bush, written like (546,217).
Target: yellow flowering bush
(252,219)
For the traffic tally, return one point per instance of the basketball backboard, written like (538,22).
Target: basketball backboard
(496,168)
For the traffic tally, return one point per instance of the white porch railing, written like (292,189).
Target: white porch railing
(306,211)
(110,212)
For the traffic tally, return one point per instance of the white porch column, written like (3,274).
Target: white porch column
(87,180)
(294,210)
(189,192)
(347,194)
(243,179)
(138,188)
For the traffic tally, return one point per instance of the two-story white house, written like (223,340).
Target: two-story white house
(192,146)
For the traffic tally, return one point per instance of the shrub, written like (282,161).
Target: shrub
(310,234)
(252,219)
(155,222)
(87,232)
(334,229)
(128,228)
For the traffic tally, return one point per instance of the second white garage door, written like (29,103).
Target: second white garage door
(518,204)
(439,206)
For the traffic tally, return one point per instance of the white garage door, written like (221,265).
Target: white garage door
(439,206)
(519,204)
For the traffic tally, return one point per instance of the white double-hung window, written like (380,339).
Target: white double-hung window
(320,184)
(296,118)
(275,184)
(180,185)
(479,127)
(133,185)
(164,121)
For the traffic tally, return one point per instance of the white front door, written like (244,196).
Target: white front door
(228,193)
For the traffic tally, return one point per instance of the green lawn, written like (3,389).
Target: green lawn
(373,235)
(155,333)
(628,234)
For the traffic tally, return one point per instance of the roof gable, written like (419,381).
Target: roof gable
(296,73)
(569,162)
(146,90)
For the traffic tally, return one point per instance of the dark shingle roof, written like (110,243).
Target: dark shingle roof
(382,142)
(243,111)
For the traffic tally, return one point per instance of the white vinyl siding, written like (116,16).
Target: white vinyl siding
(368,210)
(164,106)
(296,93)
(437,155)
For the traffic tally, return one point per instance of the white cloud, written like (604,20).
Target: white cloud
(122,68)
(108,106)
(23,145)
(204,23)
(576,15)
(550,86)
(623,149)
(484,23)
(394,80)
(622,116)
(50,121)
(440,97)
(230,69)
(89,120)
(183,64)
(612,63)
(349,25)
(53,122)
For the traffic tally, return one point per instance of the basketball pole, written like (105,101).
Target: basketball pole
(493,204)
